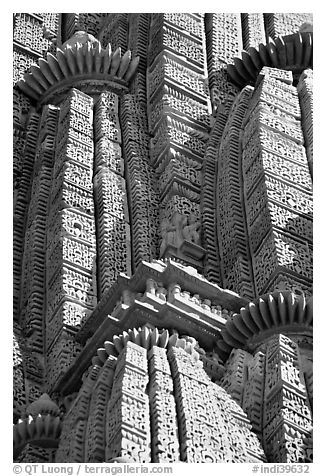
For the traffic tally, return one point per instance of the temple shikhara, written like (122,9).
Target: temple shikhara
(162,237)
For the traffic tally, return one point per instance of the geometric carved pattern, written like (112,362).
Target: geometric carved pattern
(270,387)
(305,92)
(141,181)
(70,277)
(277,186)
(287,417)
(172,174)
(253,30)
(112,221)
(190,415)
(231,228)
(285,23)
(177,107)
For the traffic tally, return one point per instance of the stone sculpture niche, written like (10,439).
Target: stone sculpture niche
(181,239)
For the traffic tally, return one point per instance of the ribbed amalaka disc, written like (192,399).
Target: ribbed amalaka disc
(48,424)
(39,427)
(229,339)
(290,52)
(46,70)
(307,57)
(117,343)
(241,69)
(97,361)
(62,60)
(97,53)
(247,319)
(240,325)
(107,59)
(80,58)
(272,306)
(154,336)
(256,59)
(292,307)
(102,355)
(31,429)
(145,338)
(116,58)
(282,309)
(233,73)
(110,348)
(33,83)
(25,88)
(125,61)
(271,49)
(281,50)
(164,339)
(71,60)
(265,313)
(173,340)
(89,59)
(256,316)
(125,337)
(301,310)
(264,55)
(232,329)
(298,45)
(309,312)
(55,67)
(21,429)
(250,67)
(39,76)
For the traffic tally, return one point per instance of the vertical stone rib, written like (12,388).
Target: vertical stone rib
(278,24)
(287,418)
(277,187)
(253,29)
(95,437)
(231,220)
(127,425)
(71,282)
(164,423)
(305,91)
(112,215)
(72,439)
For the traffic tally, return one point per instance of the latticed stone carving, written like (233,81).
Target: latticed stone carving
(170,366)
(163,237)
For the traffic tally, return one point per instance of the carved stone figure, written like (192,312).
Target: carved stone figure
(191,229)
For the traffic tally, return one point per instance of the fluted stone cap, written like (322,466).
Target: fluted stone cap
(80,63)
(272,313)
(42,427)
(289,52)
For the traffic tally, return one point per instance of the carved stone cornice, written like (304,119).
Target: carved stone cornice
(82,63)
(289,52)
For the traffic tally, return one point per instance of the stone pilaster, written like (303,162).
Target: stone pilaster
(277,187)
(287,418)
(127,425)
(112,215)
(71,279)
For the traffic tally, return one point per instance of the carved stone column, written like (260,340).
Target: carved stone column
(277,186)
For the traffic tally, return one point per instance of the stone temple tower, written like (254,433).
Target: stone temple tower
(163,237)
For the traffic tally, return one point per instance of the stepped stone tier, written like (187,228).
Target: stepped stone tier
(163,237)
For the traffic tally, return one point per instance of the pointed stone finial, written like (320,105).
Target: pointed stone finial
(43,406)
